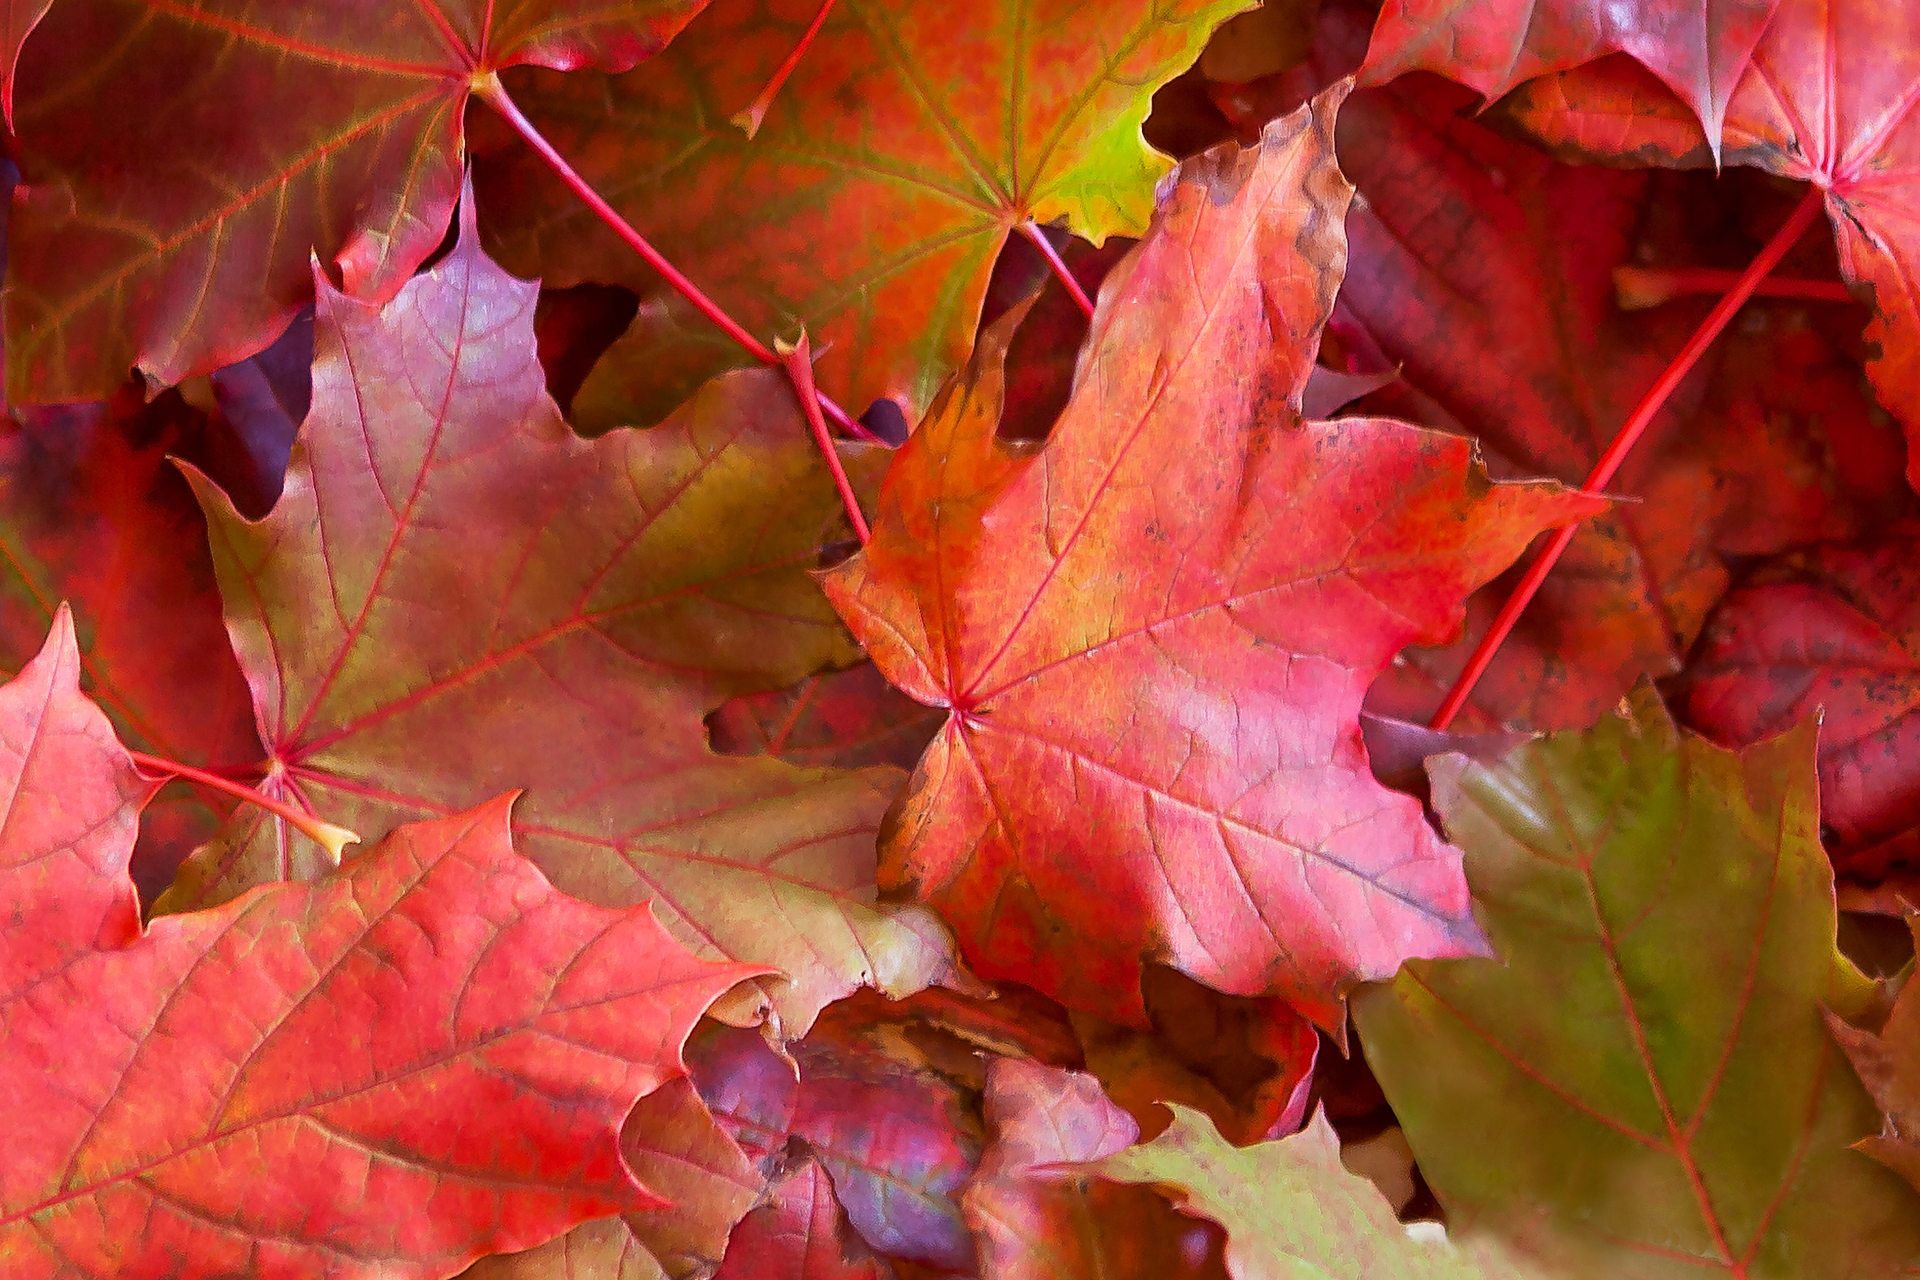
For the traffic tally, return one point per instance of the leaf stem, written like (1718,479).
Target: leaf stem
(749,117)
(1643,414)
(490,91)
(1032,231)
(798,360)
(325,834)
(1637,288)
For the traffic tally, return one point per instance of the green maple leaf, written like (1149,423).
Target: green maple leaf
(1646,1084)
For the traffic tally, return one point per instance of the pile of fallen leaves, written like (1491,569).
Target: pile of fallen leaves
(747,638)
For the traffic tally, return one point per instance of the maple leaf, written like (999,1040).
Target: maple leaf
(1468,244)
(183,162)
(1886,1065)
(1833,630)
(1153,633)
(408,656)
(1699,48)
(1829,99)
(898,1137)
(314,1081)
(871,201)
(1032,1223)
(801,1233)
(1290,1209)
(93,514)
(1646,1080)
(675,1148)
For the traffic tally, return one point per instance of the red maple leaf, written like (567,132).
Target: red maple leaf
(1832,98)
(91,514)
(1698,48)
(1833,631)
(1152,634)
(425,1057)
(169,221)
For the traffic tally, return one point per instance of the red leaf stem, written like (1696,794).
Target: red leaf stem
(1032,232)
(1637,288)
(489,90)
(749,117)
(1643,414)
(798,360)
(322,833)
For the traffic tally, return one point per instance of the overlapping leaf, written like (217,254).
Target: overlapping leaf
(599,1250)
(849,719)
(1289,1209)
(898,1137)
(1665,915)
(872,200)
(456,594)
(1246,1063)
(1033,1223)
(1483,272)
(22,17)
(185,160)
(1152,635)
(91,513)
(675,1148)
(1833,630)
(1831,98)
(1699,48)
(1888,1063)
(423,1057)
(801,1233)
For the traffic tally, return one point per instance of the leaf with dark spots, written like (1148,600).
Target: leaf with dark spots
(1832,631)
